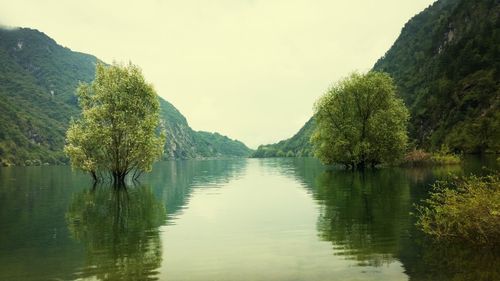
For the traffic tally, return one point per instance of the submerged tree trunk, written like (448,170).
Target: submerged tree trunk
(361,165)
(119,178)
(94,176)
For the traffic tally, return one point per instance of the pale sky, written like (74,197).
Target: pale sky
(248,69)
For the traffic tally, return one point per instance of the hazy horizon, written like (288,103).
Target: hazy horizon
(250,70)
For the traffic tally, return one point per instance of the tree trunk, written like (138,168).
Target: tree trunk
(119,178)
(94,176)
(361,165)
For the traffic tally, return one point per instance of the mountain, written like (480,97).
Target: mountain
(183,142)
(296,146)
(38,79)
(446,65)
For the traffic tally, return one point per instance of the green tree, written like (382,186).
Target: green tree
(360,121)
(119,128)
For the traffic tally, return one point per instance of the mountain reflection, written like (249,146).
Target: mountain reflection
(174,181)
(119,230)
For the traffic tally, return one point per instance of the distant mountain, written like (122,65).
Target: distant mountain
(184,143)
(38,79)
(296,146)
(446,64)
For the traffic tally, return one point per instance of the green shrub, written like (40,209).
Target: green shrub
(418,157)
(463,209)
(445,157)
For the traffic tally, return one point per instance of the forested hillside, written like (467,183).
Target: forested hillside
(38,79)
(446,65)
(296,146)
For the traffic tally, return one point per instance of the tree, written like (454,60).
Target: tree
(360,121)
(119,128)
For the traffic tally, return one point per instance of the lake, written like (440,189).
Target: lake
(237,219)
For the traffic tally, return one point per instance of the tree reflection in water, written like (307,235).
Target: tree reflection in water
(425,260)
(366,216)
(363,213)
(119,229)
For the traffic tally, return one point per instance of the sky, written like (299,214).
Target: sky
(248,69)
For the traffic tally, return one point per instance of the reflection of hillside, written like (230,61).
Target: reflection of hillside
(304,170)
(33,201)
(173,181)
(119,229)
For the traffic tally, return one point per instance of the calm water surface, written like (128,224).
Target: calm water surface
(244,219)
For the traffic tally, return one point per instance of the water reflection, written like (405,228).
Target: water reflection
(366,217)
(174,181)
(363,214)
(119,230)
(34,239)
(425,260)
(270,219)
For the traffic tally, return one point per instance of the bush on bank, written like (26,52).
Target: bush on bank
(463,209)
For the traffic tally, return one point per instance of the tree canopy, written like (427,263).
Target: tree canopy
(360,121)
(119,128)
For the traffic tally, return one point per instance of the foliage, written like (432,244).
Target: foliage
(359,121)
(445,64)
(418,157)
(445,159)
(217,145)
(118,128)
(463,209)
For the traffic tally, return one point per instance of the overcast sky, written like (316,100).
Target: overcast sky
(248,69)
